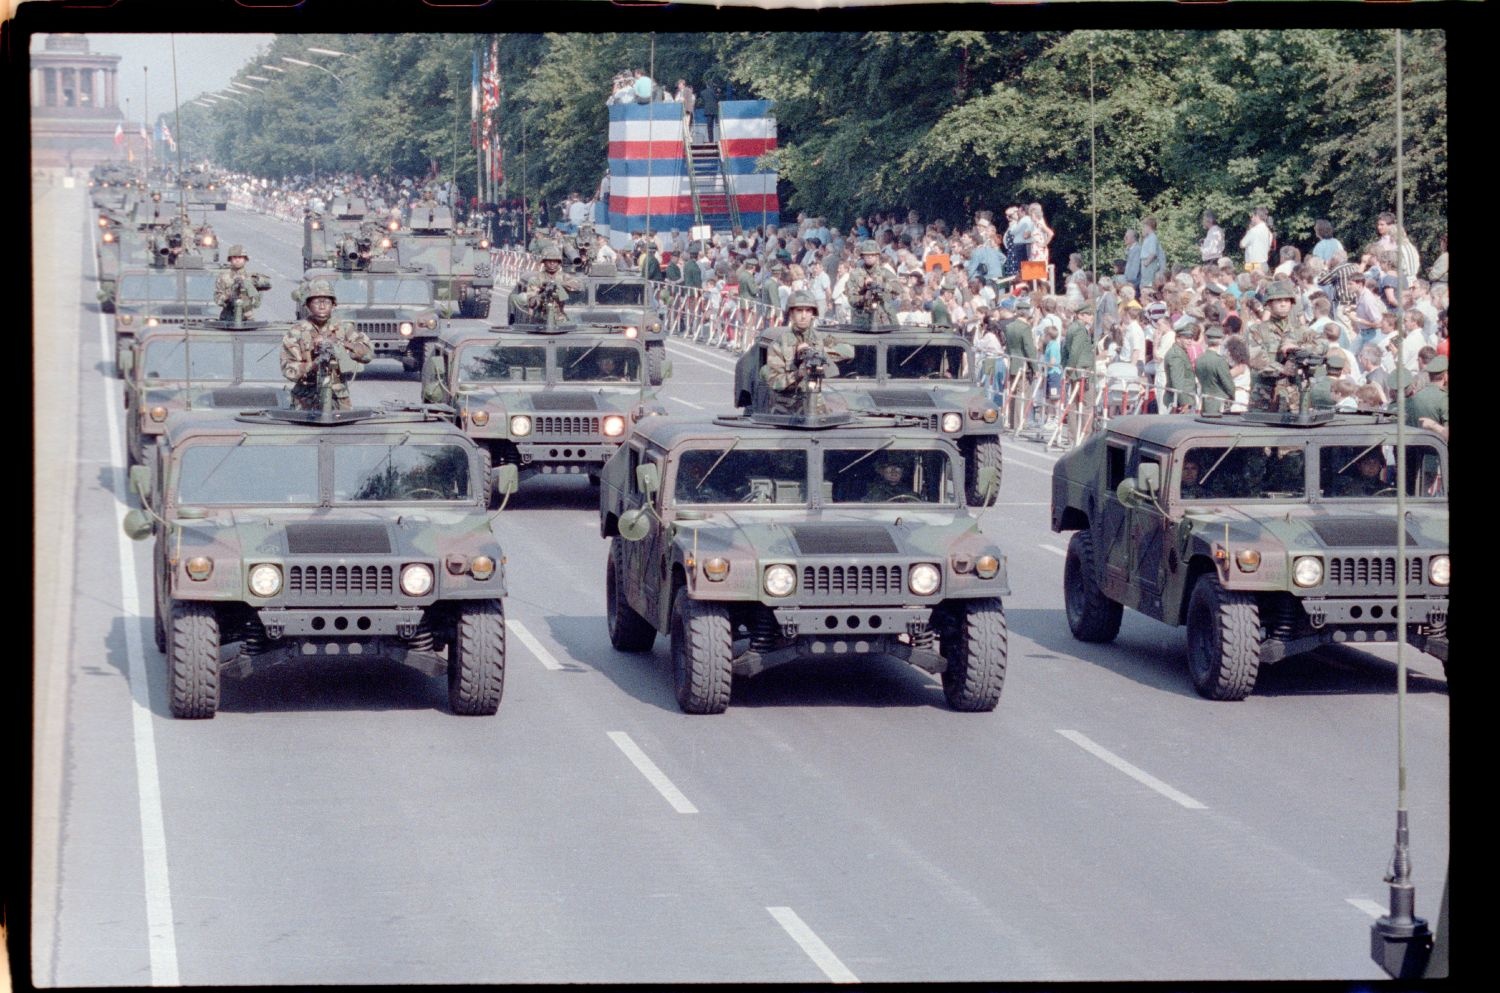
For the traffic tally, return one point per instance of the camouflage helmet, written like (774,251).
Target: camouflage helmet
(1281,289)
(801,298)
(552,253)
(319,288)
(236,251)
(868,247)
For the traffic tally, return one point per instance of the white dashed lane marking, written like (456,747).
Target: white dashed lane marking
(1144,778)
(810,943)
(653,775)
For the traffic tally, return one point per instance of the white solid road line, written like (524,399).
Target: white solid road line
(1054,549)
(820,953)
(161,939)
(687,354)
(653,775)
(1144,778)
(532,645)
(1368,906)
(687,403)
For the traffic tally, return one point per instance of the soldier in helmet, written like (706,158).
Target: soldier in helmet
(236,284)
(786,366)
(547,292)
(1272,342)
(310,350)
(874,289)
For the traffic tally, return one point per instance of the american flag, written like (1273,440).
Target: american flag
(166,136)
(489,103)
(119,134)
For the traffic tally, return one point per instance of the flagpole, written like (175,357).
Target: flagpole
(146,114)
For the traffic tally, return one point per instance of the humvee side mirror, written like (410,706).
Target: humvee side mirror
(137,525)
(127,362)
(1126,492)
(140,481)
(507,480)
(647,478)
(635,524)
(1148,477)
(988,482)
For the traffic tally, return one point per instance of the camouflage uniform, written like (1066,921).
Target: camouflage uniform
(541,308)
(299,355)
(229,285)
(867,284)
(781,371)
(1274,380)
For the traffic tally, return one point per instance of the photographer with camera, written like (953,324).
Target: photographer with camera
(317,353)
(236,288)
(801,358)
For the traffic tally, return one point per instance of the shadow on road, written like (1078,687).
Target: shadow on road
(1155,655)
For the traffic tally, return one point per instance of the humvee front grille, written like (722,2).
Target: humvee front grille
(340,580)
(379,327)
(569,426)
(1367,571)
(850,580)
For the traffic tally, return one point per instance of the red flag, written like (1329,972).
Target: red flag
(119,134)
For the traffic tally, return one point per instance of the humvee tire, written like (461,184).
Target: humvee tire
(158,627)
(476,659)
(1224,638)
(193,661)
(701,645)
(628,631)
(656,360)
(1092,616)
(978,453)
(976,660)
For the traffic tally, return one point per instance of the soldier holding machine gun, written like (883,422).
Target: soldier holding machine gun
(547,292)
(317,353)
(799,361)
(874,290)
(236,291)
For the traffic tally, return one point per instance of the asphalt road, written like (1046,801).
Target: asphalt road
(335,824)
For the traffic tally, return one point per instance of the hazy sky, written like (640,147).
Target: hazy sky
(205,62)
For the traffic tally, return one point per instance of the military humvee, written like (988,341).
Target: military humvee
(459,261)
(321,233)
(607,296)
(391,304)
(924,374)
(1267,535)
(550,400)
(204,368)
(145,298)
(298,537)
(203,190)
(117,249)
(754,541)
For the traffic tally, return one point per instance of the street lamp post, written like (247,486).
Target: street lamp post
(312,65)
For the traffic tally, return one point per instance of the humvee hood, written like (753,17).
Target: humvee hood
(242,396)
(829,535)
(282,535)
(1311,526)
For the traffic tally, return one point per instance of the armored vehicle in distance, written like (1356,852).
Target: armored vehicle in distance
(1265,534)
(147,297)
(391,304)
(294,549)
(321,233)
(203,190)
(924,374)
(550,400)
(459,261)
(207,368)
(754,541)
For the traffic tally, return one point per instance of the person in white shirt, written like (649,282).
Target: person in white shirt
(1257,241)
(578,211)
(1212,245)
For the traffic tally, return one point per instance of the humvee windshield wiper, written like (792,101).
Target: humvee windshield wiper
(915,353)
(587,352)
(220,463)
(704,481)
(878,448)
(1211,468)
(1361,455)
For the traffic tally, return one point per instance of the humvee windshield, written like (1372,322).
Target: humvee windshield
(741,475)
(1370,470)
(263,361)
(620,294)
(862,365)
(503,363)
(168,360)
(400,291)
(1243,472)
(166,286)
(236,474)
(400,472)
(598,363)
(888,475)
(925,362)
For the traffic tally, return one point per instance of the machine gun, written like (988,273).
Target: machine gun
(871,298)
(1297,370)
(240,295)
(354,251)
(549,303)
(330,358)
(813,363)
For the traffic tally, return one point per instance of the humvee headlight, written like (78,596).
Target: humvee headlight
(103,221)
(484,243)
(393,226)
(952,423)
(109,237)
(385,243)
(416,579)
(199,567)
(427,322)
(520,425)
(158,413)
(991,415)
(986,566)
(1437,570)
(630,332)
(924,578)
(656,326)
(779,580)
(614,426)
(407,327)
(316,226)
(152,322)
(716,569)
(483,567)
(208,241)
(265,579)
(126,319)
(480,417)
(1307,571)
(1248,559)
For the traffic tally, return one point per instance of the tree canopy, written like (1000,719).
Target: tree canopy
(1299,121)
